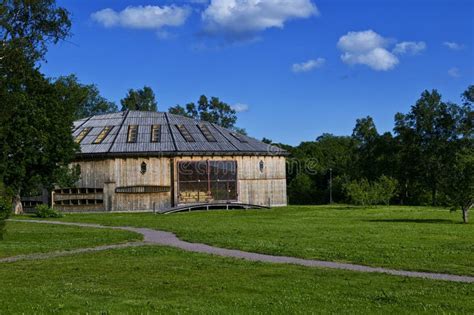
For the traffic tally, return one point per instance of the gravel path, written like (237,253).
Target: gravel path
(169,239)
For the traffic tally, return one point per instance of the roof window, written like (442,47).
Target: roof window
(207,133)
(132,134)
(102,135)
(84,132)
(239,137)
(155,133)
(185,133)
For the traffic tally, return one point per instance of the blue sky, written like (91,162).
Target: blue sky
(295,68)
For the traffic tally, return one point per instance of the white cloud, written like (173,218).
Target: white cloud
(308,65)
(367,48)
(454,72)
(240,108)
(453,45)
(412,48)
(143,17)
(244,18)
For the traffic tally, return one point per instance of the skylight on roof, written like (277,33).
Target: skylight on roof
(132,134)
(185,133)
(239,137)
(156,133)
(207,133)
(102,135)
(84,132)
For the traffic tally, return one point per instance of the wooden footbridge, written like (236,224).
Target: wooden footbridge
(210,206)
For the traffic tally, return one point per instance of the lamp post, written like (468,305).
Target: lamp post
(330,186)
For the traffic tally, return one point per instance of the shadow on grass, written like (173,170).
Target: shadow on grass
(441,221)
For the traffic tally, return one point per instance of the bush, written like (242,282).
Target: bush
(300,190)
(385,188)
(5,210)
(364,193)
(43,211)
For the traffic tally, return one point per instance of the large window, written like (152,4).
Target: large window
(207,181)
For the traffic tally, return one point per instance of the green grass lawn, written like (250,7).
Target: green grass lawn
(156,279)
(411,238)
(27,238)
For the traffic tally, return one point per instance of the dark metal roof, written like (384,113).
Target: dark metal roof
(172,141)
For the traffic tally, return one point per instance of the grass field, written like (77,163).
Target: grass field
(156,279)
(411,238)
(27,238)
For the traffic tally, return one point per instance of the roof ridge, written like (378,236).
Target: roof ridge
(171,132)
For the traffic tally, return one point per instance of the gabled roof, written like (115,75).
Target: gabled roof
(179,135)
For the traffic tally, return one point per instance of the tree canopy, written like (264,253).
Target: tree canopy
(27,27)
(86,97)
(212,110)
(141,99)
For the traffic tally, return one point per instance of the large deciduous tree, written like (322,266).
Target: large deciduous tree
(429,136)
(87,97)
(460,174)
(35,120)
(141,99)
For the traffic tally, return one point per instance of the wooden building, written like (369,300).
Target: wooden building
(143,161)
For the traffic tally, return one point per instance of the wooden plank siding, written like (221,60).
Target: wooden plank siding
(266,187)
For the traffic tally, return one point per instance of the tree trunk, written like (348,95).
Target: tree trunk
(465,214)
(17,206)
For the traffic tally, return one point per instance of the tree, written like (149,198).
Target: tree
(86,97)
(36,139)
(35,120)
(365,137)
(428,134)
(460,186)
(27,27)
(300,189)
(141,99)
(315,158)
(214,111)
(461,190)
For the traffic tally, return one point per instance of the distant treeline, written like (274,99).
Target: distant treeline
(428,158)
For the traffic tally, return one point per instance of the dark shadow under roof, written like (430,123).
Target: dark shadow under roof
(178,136)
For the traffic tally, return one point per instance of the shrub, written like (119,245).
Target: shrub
(365,193)
(43,211)
(385,188)
(5,210)
(300,189)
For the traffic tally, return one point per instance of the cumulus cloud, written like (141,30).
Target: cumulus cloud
(412,48)
(240,108)
(143,17)
(453,45)
(308,65)
(367,48)
(244,18)
(454,72)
